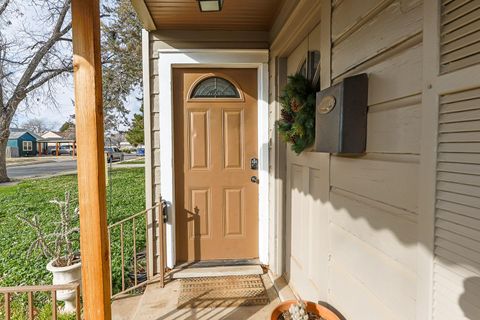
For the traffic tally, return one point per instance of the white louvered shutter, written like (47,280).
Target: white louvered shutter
(457,215)
(460,34)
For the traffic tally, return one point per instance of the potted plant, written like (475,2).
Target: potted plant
(59,248)
(302,310)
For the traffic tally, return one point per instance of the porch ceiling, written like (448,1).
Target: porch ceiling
(251,15)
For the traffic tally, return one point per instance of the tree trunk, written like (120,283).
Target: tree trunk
(3,155)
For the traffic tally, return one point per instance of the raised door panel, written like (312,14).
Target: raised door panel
(234,212)
(199,222)
(233,139)
(199,142)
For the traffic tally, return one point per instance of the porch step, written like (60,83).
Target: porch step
(220,271)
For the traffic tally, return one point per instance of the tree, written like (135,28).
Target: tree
(122,62)
(37,125)
(30,57)
(35,49)
(66,125)
(70,123)
(135,135)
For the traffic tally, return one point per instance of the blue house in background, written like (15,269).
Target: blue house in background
(24,141)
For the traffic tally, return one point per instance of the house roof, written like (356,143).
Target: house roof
(50,134)
(54,140)
(252,15)
(17,134)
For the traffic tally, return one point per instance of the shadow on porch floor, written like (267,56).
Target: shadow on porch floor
(161,304)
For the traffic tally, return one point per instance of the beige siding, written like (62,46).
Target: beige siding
(370,213)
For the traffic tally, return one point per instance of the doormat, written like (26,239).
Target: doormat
(228,291)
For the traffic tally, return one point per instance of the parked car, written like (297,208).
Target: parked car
(113,154)
(66,149)
(140,152)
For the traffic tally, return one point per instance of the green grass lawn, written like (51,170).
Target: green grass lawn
(125,196)
(135,161)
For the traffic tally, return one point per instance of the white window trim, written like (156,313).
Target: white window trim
(169,59)
(29,145)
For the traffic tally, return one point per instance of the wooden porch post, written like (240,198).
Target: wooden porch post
(57,145)
(90,159)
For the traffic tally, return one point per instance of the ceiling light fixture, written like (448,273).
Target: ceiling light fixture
(210,5)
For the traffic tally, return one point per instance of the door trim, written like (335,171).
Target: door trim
(207,58)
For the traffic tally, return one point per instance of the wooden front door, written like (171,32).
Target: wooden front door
(216,203)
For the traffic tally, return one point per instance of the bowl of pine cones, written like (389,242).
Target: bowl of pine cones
(302,310)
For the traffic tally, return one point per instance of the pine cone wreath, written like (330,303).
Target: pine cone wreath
(294,105)
(287,116)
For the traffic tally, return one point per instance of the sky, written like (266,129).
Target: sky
(55,116)
(26,16)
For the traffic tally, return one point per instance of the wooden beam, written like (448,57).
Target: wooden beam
(90,160)
(144,15)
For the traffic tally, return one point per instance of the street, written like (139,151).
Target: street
(42,169)
(57,166)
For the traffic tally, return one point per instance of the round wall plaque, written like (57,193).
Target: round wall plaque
(326,104)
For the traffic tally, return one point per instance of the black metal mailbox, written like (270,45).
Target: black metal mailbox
(341,116)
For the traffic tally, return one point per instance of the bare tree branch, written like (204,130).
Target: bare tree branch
(4,6)
(42,80)
(57,33)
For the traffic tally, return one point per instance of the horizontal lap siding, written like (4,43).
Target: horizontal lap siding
(374,197)
(457,223)
(370,212)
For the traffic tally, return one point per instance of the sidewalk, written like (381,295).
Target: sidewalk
(16,162)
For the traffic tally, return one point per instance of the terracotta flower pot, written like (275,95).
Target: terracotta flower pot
(311,307)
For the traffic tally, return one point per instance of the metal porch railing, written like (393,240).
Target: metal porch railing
(146,242)
(137,253)
(9,293)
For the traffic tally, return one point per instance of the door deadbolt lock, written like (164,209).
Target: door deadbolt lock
(254,163)
(255,179)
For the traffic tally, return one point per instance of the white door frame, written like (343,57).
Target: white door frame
(208,58)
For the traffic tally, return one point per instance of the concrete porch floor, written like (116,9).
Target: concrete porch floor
(161,304)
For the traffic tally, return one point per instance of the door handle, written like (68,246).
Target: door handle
(254,179)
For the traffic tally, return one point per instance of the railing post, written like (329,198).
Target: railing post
(90,160)
(8,312)
(161,242)
(151,247)
(54,305)
(78,308)
(30,305)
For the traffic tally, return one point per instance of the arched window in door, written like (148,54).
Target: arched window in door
(215,87)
